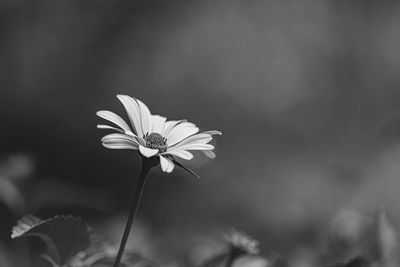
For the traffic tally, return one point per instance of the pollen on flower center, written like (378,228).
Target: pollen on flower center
(156,141)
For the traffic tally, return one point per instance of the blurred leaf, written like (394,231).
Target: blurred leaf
(11,195)
(356,262)
(110,262)
(387,241)
(251,261)
(14,170)
(382,249)
(216,260)
(100,254)
(347,231)
(241,251)
(219,260)
(17,167)
(130,260)
(64,236)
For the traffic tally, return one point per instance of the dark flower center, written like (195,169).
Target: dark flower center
(156,141)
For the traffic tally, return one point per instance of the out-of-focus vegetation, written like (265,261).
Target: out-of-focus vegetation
(306,94)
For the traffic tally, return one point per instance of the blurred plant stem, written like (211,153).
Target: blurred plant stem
(147,164)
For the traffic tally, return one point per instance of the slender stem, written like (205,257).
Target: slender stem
(146,166)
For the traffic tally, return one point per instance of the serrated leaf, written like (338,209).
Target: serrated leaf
(24,225)
(64,236)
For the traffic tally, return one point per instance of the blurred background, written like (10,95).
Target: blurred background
(306,94)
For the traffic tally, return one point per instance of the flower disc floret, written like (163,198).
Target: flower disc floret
(156,141)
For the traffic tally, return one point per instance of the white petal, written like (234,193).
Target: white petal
(166,164)
(157,123)
(180,132)
(200,138)
(119,146)
(147,152)
(169,125)
(102,126)
(117,137)
(119,141)
(145,116)
(196,147)
(133,110)
(171,166)
(130,134)
(209,154)
(114,118)
(180,153)
(212,132)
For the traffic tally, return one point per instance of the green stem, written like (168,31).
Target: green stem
(146,166)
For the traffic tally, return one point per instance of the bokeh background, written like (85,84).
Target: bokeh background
(306,93)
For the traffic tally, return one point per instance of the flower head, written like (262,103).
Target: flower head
(154,136)
(241,242)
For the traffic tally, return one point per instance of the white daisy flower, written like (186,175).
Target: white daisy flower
(154,136)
